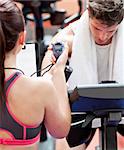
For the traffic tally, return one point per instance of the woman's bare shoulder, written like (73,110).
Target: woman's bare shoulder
(38,89)
(35,83)
(28,97)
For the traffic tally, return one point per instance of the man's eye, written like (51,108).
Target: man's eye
(111,31)
(95,28)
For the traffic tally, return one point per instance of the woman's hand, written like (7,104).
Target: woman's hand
(61,61)
(50,59)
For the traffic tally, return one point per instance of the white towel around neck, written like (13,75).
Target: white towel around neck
(84,59)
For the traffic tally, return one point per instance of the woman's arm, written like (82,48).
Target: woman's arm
(57,110)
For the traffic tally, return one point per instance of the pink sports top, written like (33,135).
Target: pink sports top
(20,133)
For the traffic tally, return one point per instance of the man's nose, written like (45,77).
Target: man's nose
(103,36)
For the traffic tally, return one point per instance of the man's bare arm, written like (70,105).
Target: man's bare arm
(66,35)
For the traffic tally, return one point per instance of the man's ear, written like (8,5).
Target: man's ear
(22,37)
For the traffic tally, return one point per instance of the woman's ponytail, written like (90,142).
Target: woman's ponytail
(11,24)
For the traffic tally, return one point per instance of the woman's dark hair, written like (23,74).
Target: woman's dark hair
(11,24)
(110,12)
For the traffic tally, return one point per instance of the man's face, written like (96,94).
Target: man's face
(102,33)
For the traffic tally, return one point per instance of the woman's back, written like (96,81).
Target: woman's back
(27,105)
(20,124)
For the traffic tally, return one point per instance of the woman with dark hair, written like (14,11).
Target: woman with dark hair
(26,102)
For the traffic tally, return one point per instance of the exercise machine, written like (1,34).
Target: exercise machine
(96,106)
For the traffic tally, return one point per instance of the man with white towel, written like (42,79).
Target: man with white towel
(96,44)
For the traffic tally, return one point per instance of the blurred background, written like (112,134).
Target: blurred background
(62,9)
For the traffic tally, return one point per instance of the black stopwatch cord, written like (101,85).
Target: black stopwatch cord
(14,69)
(40,70)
